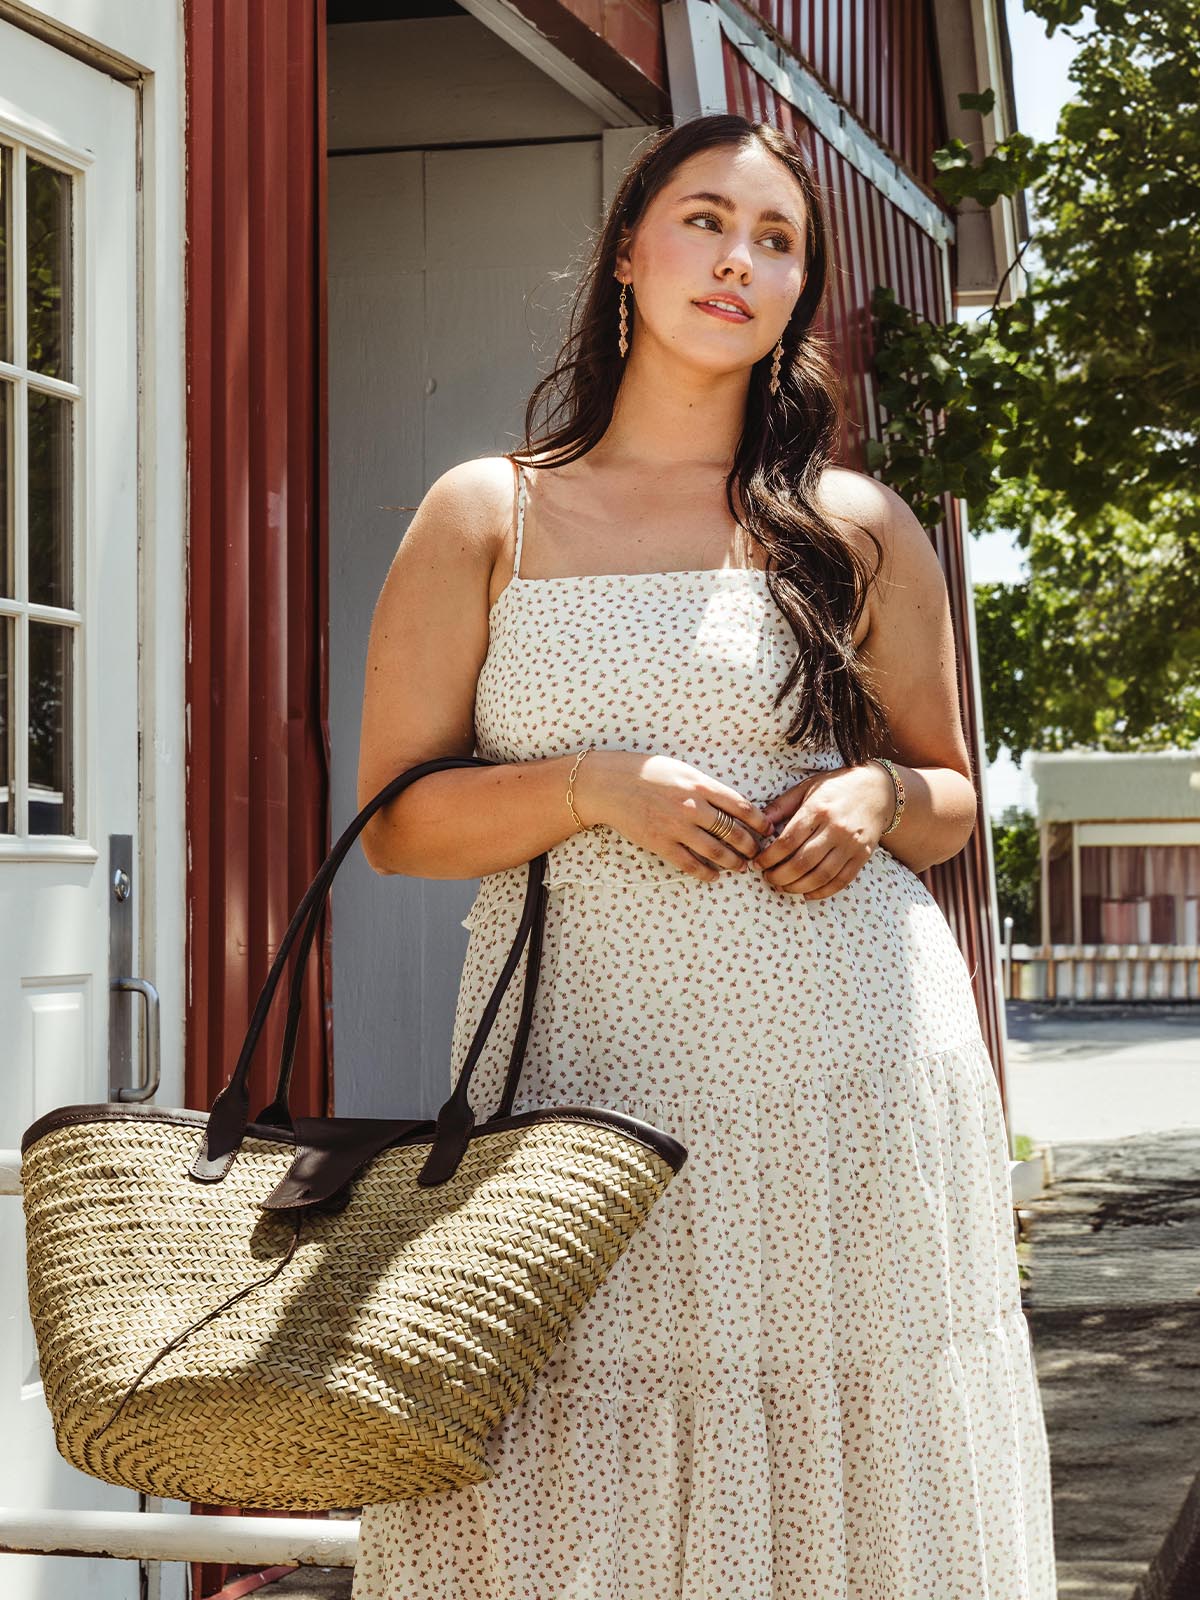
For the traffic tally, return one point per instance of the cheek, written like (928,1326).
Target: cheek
(672,268)
(783,287)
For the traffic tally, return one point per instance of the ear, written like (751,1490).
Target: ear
(623,262)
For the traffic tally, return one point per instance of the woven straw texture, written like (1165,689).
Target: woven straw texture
(372,1366)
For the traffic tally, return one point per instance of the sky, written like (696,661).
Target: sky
(1042,88)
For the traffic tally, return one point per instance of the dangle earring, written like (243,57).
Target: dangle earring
(622,341)
(774,384)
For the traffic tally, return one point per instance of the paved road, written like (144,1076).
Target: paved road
(1102,1072)
(1113,1299)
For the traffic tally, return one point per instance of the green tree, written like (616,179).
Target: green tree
(1016,852)
(1070,415)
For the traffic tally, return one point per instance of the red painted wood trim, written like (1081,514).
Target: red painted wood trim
(617,42)
(879,59)
(257,751)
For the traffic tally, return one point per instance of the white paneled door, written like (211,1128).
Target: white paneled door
(68,687)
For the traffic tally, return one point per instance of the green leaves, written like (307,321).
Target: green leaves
(1013,164)
(1100,645)
(1016,850)
(1070,414)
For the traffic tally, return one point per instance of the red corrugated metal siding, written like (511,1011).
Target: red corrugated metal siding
(257,769)
(875,242)
(879,58)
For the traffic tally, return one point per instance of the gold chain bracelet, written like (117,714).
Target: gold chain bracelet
(898,790)
(584,827)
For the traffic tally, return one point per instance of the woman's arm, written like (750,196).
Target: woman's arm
(910,648)
(429,636)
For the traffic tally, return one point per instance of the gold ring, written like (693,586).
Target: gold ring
(723,826)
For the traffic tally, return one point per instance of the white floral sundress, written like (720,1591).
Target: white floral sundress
(810,1375)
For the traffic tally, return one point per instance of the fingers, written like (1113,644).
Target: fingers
(792,878)
(692,864)
(752,818)
(704,867)
(829,873)
(706,856)
(845,877)
(834,872)
(745,838)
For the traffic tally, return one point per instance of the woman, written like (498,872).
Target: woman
(692,645)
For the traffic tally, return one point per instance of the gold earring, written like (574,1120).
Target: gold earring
(774,384)
(622,341)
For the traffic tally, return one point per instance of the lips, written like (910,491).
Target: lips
(724,311)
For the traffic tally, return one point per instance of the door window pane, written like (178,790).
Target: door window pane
(48,283)
(6,156)
(7,550)
(7,776)
(50,466)
(51,778)
(41,608)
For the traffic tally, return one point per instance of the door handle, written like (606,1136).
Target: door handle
(121,960)
(151,1054)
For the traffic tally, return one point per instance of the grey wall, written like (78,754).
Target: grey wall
(449,271)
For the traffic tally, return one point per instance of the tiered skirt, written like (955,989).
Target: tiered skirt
(810,1375)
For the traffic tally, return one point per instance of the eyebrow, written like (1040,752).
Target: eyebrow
(727,205)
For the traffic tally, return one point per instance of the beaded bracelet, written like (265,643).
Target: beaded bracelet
(898,789)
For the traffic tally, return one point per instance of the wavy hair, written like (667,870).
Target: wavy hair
(819,580)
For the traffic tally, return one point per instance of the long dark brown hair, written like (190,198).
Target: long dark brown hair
(817,577)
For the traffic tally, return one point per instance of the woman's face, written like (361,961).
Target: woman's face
(686,250)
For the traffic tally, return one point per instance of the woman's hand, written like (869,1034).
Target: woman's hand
(666,806)
(826,827)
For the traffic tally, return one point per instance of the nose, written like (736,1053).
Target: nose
(737,256)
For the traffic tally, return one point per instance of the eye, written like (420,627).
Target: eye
(698,216)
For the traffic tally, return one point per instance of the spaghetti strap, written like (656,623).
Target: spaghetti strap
(520,514)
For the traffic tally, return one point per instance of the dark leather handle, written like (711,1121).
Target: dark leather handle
(277,1111)
(229,1113)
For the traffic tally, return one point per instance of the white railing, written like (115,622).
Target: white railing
(10,1172)
(1132,972)
(175,1536)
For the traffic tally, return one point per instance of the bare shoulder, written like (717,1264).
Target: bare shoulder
(429,632)
(469,504)
(847,495)
(862,505)
(911,647)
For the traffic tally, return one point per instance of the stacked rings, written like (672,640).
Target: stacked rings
(723,826)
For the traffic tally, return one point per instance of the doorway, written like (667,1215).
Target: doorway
(464,185)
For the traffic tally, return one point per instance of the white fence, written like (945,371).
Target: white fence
(1131,972)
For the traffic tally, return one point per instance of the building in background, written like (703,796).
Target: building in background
(1119,879)
(1120,847)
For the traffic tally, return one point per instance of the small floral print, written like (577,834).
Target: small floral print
(810,1376)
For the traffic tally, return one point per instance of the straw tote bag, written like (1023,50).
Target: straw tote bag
(317,1313)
